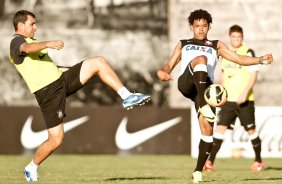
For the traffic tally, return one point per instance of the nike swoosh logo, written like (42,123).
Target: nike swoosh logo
(31,139)
(125,140)
(250,125)
(202,82)
(210,118)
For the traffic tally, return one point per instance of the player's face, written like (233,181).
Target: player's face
(200,29)
(236,39)
(28,29)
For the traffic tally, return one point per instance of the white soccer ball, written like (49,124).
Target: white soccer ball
(215,95)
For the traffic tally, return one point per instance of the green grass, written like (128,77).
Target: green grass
(151,169)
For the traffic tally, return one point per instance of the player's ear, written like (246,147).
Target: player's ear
(191,27)
(209,26)
(20,25)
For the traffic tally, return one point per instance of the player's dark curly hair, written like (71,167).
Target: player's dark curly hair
(199,14)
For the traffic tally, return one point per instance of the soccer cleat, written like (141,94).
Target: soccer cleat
(30,176)
(208,166)
(208,114)
(197,177)
(257,167)
(135,99)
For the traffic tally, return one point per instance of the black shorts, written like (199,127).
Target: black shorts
(187,86)
(52,98)
(231,110)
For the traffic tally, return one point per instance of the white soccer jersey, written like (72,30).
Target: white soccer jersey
(192,48)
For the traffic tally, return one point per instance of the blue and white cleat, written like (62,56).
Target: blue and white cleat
(30,176)
(134,100)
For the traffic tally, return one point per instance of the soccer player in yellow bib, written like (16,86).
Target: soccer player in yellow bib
(238,80)
(52,84)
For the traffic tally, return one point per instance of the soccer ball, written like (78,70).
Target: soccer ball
(215,95)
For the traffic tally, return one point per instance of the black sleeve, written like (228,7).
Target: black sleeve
(15,52)
(183,42)
(252,52)
(214,43)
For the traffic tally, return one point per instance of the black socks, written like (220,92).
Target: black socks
(257,148)
(215,148)
(200,80)
(204,151)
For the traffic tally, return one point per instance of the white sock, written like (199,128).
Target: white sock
(124,93)
(218,135)
(253,136)
(31,166)
(207,138)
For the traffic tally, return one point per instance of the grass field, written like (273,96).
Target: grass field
(151,169)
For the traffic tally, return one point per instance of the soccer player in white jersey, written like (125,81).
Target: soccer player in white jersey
(197,57)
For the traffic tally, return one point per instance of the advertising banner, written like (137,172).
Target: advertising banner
(237,144)
(99,130)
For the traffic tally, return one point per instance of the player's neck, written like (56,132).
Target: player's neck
(199,40)
(235,48)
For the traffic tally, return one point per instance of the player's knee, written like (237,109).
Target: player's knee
(220,129)
(250,128)
(200,59)
(99,60)
(251,131)
(206,131)
(56,141)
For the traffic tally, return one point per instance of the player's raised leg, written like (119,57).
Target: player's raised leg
(200,76)
(98,66)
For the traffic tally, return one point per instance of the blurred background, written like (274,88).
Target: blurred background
(137,37)
(131,34)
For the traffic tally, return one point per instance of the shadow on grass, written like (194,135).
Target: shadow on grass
(136,178)
(262,179)
(273,168)
(247,179)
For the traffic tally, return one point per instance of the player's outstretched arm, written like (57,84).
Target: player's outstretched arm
(226,53)
(38,46)
(164,72)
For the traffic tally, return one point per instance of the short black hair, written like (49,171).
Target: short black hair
(236,28)
(21,16)
(199,14)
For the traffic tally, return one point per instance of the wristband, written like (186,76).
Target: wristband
(261,60)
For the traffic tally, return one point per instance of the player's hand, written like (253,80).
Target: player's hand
(267,59)
(55,44)
(163,76)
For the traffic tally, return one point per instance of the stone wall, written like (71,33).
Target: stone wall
(129,52)
(145,51)
(262,28)
(134,42)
